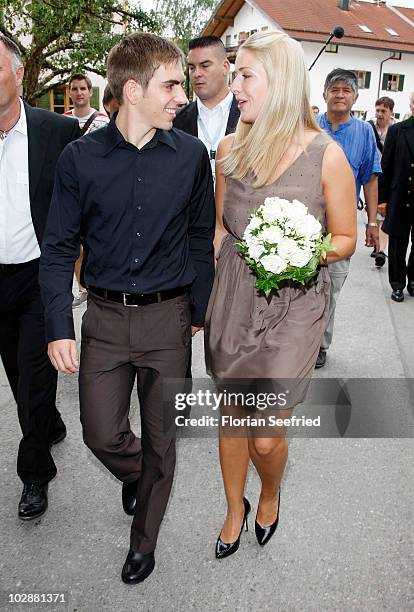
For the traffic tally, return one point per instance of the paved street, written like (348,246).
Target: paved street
(345,538)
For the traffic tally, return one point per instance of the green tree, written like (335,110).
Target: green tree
(184,19)
(59,37)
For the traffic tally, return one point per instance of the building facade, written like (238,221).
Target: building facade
(378,43)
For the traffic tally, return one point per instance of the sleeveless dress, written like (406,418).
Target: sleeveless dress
(246,334)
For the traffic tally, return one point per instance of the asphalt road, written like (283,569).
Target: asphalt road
(345,538)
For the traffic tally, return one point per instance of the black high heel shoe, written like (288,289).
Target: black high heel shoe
(225,550)
(263,534)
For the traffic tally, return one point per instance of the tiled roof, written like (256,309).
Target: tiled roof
(313,20)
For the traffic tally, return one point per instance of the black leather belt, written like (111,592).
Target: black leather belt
(10,268)
(138,299)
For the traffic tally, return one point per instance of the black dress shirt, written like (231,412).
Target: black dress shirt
(146,217)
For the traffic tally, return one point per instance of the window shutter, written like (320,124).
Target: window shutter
(385,81)
(95,98)
(401,82)
(367,80)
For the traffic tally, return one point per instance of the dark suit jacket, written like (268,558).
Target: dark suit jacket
(47,135)
(186,120)
(397,177)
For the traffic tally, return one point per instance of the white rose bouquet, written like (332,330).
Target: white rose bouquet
(283,242)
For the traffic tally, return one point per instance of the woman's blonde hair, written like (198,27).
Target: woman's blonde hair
(285,114)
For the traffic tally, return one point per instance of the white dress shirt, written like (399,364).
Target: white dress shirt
(212,123)
(18,242)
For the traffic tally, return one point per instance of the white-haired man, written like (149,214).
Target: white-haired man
(31,141)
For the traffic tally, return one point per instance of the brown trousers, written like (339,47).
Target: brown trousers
(119,344)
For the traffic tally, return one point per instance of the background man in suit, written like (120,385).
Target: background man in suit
(31,141)
(396,194)
(215,111)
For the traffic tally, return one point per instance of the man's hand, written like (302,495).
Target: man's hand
(63,355)
(194,330)
(372,237)
(382,208)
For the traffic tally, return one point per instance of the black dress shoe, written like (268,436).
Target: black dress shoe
(321,359)
(33,502)
(397,295)
(380,259)
(374,253)
(410,288)
(59,432)
(263,534)
(137,567)
(225,550)
(129,497)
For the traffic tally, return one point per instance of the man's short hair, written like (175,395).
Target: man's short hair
(385,101)
(207,41)
(108,96)
(137,56)
(79,76)
(340,74)
(13,51)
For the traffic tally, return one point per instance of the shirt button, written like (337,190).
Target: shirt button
(136,260)
(133,284)
(138,234)
(139,179)
(138,207)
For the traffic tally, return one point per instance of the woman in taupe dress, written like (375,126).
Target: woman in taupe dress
(277,150)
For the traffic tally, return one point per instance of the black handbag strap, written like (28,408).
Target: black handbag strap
(88,123)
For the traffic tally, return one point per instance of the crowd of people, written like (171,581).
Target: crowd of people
(126,200)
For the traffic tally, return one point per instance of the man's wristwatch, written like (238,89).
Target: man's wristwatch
(372,224)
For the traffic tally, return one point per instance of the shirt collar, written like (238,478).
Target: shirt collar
(21,125)
(224,105)
(341,126)
(114,138)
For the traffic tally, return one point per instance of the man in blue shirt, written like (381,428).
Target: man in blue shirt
(358,142)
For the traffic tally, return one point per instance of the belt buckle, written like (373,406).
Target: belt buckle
(124,296)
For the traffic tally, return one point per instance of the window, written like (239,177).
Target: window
(393,82)
(228,40)
(331,48)
(364,78)
(243,36)
(360,114)
(253,32)
(58,101)
(396,115)
(265,28)
(365,28)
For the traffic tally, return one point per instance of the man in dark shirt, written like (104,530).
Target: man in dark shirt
(141,195)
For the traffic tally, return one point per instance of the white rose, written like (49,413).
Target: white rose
(299,207)
(254,223)
(312,228)
(300,258)
(256,250)
(273,263)
(287,248)
(271,234)
(272,209)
